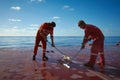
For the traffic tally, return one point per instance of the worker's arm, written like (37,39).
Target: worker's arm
(52,39)
(85,39)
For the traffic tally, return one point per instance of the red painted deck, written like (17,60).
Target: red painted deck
(17,64)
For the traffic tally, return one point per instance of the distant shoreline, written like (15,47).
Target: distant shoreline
(28,41)
(54,36)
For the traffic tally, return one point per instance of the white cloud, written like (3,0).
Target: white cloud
(17,8)
(69,8)
(15,31)
(34,25)
(66,7)
(37,0)
(14,20)
(56,17)
(15,27)
(32,29)
(40,0)
(32,0)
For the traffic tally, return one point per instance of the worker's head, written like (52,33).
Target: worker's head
(81,24)
(53,24)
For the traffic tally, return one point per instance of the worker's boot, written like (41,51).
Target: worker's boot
(44,58)
(91,61)
(34,57)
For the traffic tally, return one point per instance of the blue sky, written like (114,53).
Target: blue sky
(23,17)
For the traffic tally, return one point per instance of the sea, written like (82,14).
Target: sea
(28,41)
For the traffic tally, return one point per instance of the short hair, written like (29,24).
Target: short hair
(81,23)
(53,24)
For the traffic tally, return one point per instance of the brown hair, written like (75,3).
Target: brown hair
(81,23)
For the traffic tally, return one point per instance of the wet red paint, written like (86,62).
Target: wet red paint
(18,65)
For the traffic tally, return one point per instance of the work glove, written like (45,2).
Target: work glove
(52,45)
(46,40)
(83,46)
(89,39)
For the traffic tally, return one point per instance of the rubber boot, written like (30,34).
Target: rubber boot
(34,57)
(44,58)
(35,52)
(91,61)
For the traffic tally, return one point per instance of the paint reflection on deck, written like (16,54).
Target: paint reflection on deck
(17,64)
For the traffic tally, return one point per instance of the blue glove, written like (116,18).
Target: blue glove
(83,46)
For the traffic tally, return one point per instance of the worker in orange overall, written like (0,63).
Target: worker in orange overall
(41,36)
(93,33)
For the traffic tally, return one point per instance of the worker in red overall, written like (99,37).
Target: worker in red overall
(93,33)
(41,36)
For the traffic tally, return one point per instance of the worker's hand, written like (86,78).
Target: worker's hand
(53,45)
(46,40)
(89,39)
(83,46)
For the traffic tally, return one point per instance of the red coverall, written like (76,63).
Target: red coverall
(41,35)
(94,33)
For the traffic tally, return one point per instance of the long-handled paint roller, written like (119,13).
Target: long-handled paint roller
(65,57)
(68,59)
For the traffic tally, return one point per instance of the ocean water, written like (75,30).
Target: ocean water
(28,41)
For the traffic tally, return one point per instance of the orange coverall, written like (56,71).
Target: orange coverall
(41,35)
(94,33)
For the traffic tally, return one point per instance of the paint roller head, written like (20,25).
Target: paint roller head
(66,65)
(66,58)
